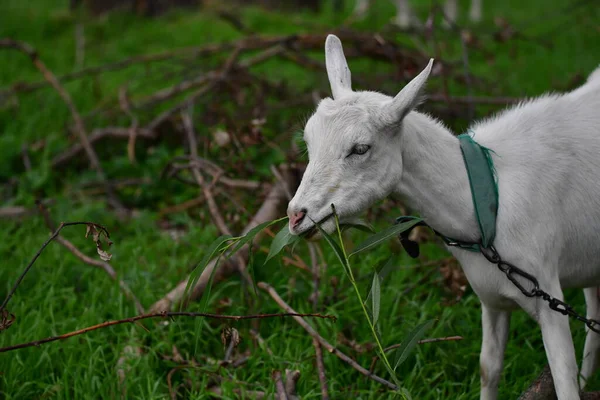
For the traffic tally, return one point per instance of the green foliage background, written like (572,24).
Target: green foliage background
(556,48)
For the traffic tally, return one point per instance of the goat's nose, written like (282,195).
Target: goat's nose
(297,217)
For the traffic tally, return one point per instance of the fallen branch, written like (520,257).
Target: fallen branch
(279,388)
(542,388)
(79,126)
(39,252)
(271,208)
(158,315)
(267,288)
(105,266)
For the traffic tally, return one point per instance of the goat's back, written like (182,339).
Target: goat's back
(547,157)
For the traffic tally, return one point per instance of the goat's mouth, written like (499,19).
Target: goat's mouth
(312,233)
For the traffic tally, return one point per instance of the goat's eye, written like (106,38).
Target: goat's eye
(359,149)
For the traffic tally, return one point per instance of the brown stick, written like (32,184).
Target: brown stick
(208,196)
(279,388)
(321,369)
(157,315)
(266,287)
(79,126)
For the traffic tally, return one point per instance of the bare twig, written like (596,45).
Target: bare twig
(321,369)
(96,135)
(261,341)
(291,379)
(210,200)
(266,287)
(158,315)
(79,126)
(126,107)
(35,257)
(279,388)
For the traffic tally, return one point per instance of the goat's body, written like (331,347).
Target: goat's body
(546,154)
(364,146)
(555,155)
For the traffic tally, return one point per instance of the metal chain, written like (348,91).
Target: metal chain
(513,271)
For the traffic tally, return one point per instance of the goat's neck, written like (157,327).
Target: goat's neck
(434,178)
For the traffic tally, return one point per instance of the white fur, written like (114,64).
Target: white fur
(405,16)
(546,152)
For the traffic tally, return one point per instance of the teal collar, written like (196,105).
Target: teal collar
(484,191)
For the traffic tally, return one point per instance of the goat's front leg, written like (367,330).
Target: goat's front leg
(591,352)
(495,324)
(558,343)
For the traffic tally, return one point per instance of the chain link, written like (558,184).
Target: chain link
(512,272)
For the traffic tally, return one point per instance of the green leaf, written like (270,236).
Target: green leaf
(361,226)
(375,297)
(282,239)
(384,235)
(383,269)
(410,341)
(253,232)
(215,246)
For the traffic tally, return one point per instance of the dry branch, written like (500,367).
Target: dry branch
(79,126)
(157,315)
(267,288)
(271,208)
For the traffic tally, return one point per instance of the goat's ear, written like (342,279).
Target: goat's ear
(337,67)
(408,98)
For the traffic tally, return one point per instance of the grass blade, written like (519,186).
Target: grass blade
(384,235)
(214,248)
(336,249)
(410,341)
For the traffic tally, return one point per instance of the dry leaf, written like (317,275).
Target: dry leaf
(6,319)
(95,232)
(230,334)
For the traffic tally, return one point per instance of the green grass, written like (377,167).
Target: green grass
(61,293)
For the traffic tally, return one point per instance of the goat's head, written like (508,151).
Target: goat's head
(352,148)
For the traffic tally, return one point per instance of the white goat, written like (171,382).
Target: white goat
(364,146)
(405,16)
